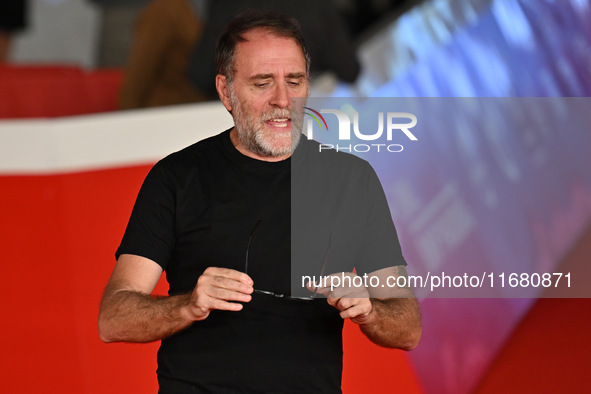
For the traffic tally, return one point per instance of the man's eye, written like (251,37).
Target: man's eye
(294,84)
(261,85)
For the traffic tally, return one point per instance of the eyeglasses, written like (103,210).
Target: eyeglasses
(280,295)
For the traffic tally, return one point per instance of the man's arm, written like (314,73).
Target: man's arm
(128,312)
(390,318)
(395,319)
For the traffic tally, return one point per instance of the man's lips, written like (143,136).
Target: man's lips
(278,122)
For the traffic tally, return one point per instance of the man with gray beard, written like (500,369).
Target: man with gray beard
(218,217)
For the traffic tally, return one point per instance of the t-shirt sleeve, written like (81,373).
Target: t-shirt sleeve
(380,245)
(150,231)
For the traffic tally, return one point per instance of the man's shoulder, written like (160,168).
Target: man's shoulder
(326,157)
(195,152)
(188,163)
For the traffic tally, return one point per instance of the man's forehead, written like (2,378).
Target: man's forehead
(261,43)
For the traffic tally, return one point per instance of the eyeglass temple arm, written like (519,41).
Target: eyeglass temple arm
(324,264)
(257,224)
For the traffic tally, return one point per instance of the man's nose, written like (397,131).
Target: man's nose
(280,96)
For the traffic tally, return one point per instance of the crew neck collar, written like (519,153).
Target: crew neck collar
(260,165)
(248,162)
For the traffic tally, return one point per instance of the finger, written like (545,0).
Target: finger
(344,280)
(347,293)
(345,303)
(354,316)
(233,285)
(341,303)
(224,283)
(333,301)
(226,295)
(230,274)
(325,291)
(344,292)
(356,311)
(214,303)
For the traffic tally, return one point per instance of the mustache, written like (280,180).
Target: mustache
(276,113)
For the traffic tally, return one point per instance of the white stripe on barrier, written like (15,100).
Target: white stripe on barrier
(90,142)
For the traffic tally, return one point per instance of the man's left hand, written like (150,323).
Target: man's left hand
(352,301)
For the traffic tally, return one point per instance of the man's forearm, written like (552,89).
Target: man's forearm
(396,323)
(130,316)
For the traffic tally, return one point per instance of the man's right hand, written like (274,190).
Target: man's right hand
(129,313)
(218,288)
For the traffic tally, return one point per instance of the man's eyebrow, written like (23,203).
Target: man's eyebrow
(296,75)
(257,77)
(261,76)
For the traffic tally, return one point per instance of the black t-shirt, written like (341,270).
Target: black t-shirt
(201,206)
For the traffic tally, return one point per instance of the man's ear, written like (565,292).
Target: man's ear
(221,85)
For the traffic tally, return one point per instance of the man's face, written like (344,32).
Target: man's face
(269,71)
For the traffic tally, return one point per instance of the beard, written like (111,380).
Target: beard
(254,136)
